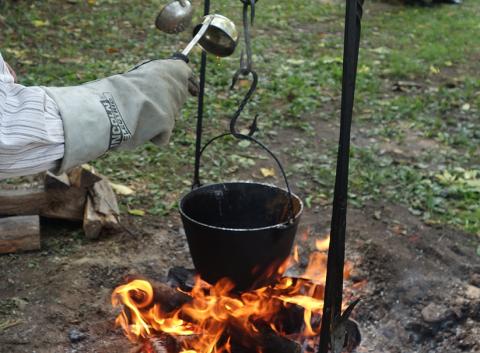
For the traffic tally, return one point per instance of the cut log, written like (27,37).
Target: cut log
(104,198)
(181,277)
(22,202)
(92,221)
(161,344)
(20,233)
(81,177)
(56,182)
(101,209)
(267,339)
(167,297)
(66,204)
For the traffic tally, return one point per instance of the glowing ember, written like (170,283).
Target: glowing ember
(213,317)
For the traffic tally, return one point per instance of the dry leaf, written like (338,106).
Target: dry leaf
(267,172)
(121,189)
(136,212)
(40,23)
(434,70)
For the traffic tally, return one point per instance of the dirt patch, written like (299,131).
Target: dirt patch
(420,294)
(419,297)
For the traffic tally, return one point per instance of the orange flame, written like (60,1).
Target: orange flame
(214,315)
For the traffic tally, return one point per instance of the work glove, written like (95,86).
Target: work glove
(122,111)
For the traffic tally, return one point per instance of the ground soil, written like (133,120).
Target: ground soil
(421,294)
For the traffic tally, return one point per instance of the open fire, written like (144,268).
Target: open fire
(208,318)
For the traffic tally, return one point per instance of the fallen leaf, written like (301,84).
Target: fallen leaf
(40,23)
(136,212)
(381,50)
(434,70)
(363,69)
(296,61)
(67,60)
(121,189)
(267,172)
(332,60)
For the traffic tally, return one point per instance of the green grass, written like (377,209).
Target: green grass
(298,54)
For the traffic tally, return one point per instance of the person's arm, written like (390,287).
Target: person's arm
(31,129)
(121,111)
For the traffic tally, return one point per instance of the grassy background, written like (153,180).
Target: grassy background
(416,127)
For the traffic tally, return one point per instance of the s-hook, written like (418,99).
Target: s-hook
(245,70)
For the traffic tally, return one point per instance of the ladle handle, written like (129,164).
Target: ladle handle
(199,36)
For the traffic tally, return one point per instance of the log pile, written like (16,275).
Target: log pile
(79,196)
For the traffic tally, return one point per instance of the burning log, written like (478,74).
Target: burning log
(167,297)
(266,338)
(181,277)
(20,233)
(160,344)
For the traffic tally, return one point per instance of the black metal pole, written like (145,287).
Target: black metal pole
(336,251)
(201,96)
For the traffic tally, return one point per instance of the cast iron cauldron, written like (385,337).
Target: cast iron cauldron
(240,230)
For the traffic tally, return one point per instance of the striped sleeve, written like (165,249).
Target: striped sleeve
(31,130)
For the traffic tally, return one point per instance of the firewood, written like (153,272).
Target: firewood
(167,297)
(266,338)
(138,349)
(21,233)
(274,343)
(161,344)
(65,204)
(82,177)
(22,202)
(104,198)
(181,277)
(54,203)
(101,209)
(56,182)
(92,221)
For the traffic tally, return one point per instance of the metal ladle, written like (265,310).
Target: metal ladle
(175,17)
(216,35)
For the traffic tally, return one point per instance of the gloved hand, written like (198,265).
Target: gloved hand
(121,111)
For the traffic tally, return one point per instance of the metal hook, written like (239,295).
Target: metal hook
(241,107)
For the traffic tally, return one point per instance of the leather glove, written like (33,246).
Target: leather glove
(122,111)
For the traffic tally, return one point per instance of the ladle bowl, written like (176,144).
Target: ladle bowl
(175,17)
(221,36)
(240,230)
